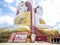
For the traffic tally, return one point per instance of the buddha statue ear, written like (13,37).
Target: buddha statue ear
(34,10)
(17,12)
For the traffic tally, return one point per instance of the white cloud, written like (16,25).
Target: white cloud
(12,8)
(9,1)
(6,20)
(51,11)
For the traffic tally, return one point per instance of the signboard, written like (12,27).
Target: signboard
(21,37)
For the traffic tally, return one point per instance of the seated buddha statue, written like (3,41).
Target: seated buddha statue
(41,25)
(38,16)
(23,15)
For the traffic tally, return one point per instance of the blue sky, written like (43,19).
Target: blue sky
(8,12)
(8,7)
(51,10)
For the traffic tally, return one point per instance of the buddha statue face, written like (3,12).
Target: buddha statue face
(22,7)
(39,10)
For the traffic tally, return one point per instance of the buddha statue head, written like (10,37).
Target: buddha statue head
(21,8)
(39,10)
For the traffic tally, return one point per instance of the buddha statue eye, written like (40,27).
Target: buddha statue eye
(22,5)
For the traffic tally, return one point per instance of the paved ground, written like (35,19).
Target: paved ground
(28,44)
